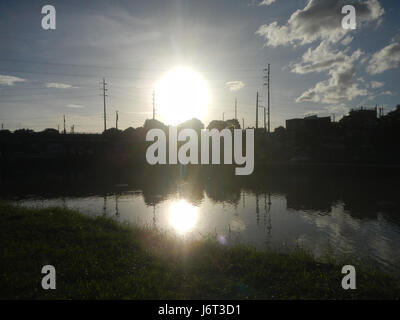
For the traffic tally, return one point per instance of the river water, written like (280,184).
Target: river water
(351,218)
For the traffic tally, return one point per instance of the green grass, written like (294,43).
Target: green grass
(97,258)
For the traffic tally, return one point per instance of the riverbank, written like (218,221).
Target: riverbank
(97,258)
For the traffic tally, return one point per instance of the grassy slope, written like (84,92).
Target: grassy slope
(97,258)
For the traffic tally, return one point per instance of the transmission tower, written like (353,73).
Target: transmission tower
(267,81)
(104,83)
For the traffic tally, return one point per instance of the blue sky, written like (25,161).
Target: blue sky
(317,67)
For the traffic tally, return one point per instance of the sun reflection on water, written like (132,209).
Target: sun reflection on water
(183,216)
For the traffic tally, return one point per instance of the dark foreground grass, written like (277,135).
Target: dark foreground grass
(97,258)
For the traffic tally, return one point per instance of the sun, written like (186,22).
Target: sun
(183,216)
(181,95)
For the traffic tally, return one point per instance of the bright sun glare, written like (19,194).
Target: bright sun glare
(183,216)
(181,95)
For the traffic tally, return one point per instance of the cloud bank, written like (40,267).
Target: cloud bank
(9,80)
(385,59)
(319,20)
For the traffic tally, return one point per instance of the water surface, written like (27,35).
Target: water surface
(357,217)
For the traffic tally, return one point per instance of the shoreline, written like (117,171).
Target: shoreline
(97,258)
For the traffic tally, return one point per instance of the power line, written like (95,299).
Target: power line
(75,74)
(224,68)
(80,65)
(46,100)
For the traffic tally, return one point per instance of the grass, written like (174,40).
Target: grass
(97,258)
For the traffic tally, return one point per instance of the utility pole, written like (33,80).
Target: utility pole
(265,120)
(267,84)
(116,120)
(64,125)
(269,110)
(243,123)
(223,116)
(154,105)
(104,99)
(236,108)
(257,111)
(2,126)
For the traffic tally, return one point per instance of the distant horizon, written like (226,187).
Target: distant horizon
(260,126)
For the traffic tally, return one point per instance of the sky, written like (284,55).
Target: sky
(317,67)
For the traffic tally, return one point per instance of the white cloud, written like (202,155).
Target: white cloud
(321,21)
(266,2)
(235,85)
(9,80)
(75,106)
(319,59)
(346,41)
(377,84)
(318,20)
(58,85)
(382,93)
(342,82)
(385,59)
(340,109)
(339,87)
